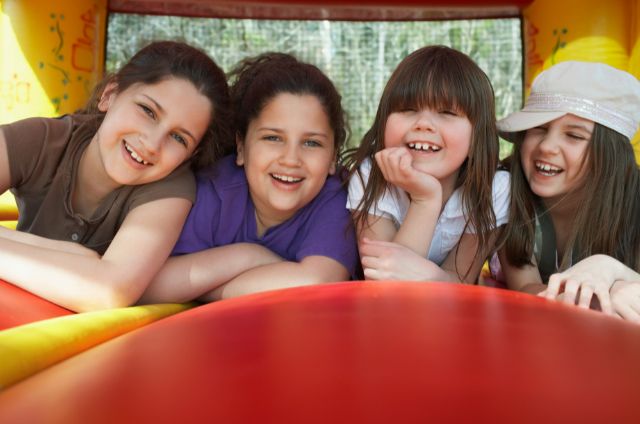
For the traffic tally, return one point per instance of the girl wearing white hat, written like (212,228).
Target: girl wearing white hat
(574,218)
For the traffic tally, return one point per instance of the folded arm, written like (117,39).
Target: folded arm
(525,279)
(80,280)
(311,270)
(189,276)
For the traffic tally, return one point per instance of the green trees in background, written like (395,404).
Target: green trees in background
(357,56)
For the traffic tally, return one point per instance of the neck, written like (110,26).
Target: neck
(92,183)
(563,214)
(263,223)
(448,186)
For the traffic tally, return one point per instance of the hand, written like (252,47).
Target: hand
(383,260)
(591,276)
(625,299)
(397,169)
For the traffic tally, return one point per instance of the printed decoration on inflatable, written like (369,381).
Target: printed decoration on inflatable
(582,30)
(30,348)
(52,55)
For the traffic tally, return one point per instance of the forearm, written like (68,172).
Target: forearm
(77,282)
(277,276)
(416,232)
(43,242)
(532,288)
(186,277)
(445,275)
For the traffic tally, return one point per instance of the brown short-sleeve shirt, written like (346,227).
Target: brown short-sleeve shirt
(43,158)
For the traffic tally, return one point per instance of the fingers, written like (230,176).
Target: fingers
(395,164)
(586,293)
(369,261)
(375,248)
(553,287)
(605,300)
(571,288)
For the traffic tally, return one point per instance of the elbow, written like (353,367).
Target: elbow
(111,297)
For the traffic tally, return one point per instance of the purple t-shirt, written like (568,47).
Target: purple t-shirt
(224,213)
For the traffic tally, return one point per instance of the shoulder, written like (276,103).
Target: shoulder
(363,171)
(222,179)
(39,129)
(501,196)
(333,191)
(179,184)
(501,182)
(222,175)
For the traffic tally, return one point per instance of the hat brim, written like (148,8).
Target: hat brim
(509,127)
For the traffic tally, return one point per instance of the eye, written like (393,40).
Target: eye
(576,136)
(180,139)
(449,112)
(271,137)
(312,143)
(147,110)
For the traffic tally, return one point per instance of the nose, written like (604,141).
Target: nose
(290,155)
(152,141)
(548,143)
(424,121)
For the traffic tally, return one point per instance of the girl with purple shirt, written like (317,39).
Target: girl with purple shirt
(273,214)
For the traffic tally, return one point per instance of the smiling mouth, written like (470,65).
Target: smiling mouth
(135,155)
(287,179)
(424,147)
(546,169)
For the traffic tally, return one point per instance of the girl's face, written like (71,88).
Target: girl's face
(149,130)
(553,155)
(439,141)
(287,154)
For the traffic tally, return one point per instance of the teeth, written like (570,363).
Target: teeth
(286,178)
(135,156)
(545,167)
(424,147)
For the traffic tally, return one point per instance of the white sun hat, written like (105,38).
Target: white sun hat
(590,90)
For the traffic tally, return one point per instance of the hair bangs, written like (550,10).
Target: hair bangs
(443,84)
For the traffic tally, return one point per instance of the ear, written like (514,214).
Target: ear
(332,168)
(240,151)
(107,97)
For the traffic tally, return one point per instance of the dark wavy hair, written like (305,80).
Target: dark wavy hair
(439,77)
(161,60)
(606,220)
(257,80)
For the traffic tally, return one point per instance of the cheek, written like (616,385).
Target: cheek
(393,133)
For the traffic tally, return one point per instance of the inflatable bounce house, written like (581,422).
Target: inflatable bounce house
(350,352)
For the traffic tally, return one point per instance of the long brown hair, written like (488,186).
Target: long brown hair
(606,221)
(439,77)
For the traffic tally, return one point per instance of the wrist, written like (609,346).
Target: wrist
(429,201)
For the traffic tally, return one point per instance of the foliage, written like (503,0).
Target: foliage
(357,56)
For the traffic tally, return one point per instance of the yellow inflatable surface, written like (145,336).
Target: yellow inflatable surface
(8,207)
(29,348)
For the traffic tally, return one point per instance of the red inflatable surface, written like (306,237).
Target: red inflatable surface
(353,353)
(19,307)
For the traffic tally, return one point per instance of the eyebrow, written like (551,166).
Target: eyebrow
(161,110)
(579,127)
(308,133)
